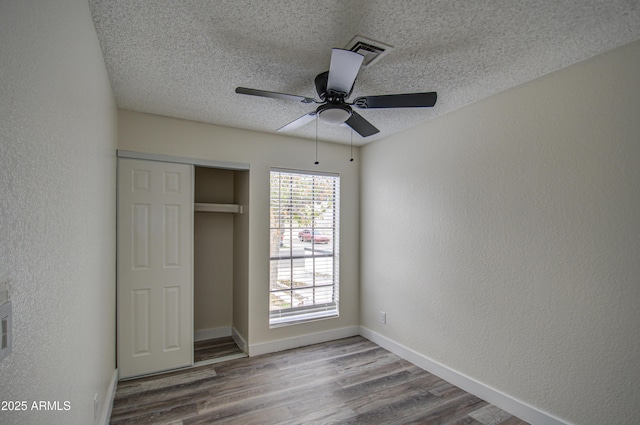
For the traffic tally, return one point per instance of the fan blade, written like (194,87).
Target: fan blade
(360,125)
(408,100)
(299,122)
(274,95)
(343,70)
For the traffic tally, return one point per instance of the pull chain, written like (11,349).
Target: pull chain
(351,133)
(316,141)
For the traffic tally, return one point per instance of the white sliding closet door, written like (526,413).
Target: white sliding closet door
(155,266)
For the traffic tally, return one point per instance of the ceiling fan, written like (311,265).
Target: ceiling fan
(335,86)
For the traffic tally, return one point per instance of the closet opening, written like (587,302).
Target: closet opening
(220,264)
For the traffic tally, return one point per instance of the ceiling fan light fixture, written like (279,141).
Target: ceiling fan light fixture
(334,113)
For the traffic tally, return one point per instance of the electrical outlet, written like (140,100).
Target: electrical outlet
(383,318)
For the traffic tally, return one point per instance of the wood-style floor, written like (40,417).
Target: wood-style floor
(348,381)
(215,349)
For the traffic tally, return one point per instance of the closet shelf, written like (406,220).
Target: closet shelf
(219,208)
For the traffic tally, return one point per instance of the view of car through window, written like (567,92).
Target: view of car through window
(315,236)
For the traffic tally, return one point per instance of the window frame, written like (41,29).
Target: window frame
(324,220)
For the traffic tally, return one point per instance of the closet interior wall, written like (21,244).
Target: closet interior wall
(214,254)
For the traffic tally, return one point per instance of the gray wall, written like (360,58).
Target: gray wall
(57,210)
(503,240)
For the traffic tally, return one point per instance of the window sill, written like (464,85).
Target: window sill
(278,322)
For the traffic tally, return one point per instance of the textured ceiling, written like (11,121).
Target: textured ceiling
(185,58)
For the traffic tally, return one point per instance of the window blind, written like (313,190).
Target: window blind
(304,246)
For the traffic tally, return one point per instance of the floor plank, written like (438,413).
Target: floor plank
(348,381)
(214,349)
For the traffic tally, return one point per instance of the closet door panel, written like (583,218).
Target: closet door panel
(155,266)
(140,235)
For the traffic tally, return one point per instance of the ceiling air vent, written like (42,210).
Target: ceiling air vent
(371,50)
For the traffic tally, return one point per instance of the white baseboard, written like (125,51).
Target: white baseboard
(212,333)
(108,400)
(240,341)
(505,402)
(301,341)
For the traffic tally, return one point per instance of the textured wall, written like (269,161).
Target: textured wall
(169,136)
(57,210)
(503,240)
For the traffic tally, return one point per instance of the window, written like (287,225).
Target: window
(304,248)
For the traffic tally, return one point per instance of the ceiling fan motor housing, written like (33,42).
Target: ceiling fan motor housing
(321,89)
(321,84)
